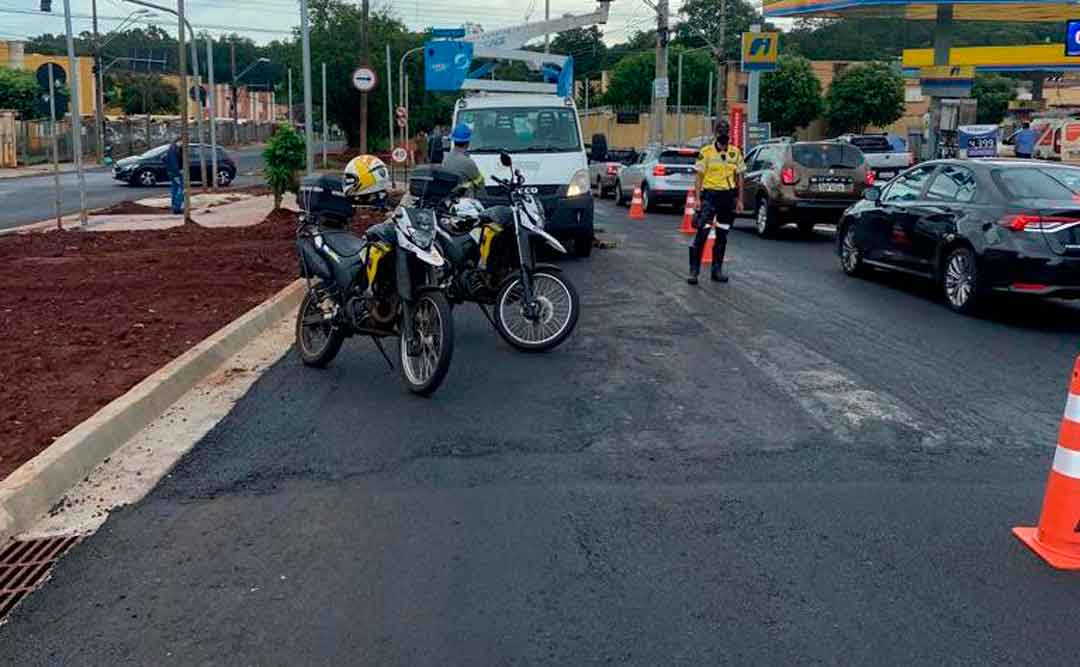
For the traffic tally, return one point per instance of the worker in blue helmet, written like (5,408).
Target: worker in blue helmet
(459,162)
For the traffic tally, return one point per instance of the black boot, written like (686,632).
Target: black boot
(695,266)
(719,246)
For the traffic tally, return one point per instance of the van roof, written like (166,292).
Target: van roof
(483,100)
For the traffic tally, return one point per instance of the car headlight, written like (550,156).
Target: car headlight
(579,184)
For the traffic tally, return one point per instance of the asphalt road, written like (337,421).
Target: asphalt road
(33,198)
(797,467)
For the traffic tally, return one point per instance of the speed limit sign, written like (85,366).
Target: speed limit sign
(399,154)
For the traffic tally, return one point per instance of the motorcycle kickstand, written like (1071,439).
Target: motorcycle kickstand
(378,344)
(488,316)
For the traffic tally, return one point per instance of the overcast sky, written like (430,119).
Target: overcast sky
(264,20)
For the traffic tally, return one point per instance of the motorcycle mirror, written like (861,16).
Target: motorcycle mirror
(504,159)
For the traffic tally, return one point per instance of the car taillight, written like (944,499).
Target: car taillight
(870,177)
(1026,222)
(911,160)
(659,170)
(788,176)
(612,170)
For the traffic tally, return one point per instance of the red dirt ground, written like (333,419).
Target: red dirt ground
(84,316)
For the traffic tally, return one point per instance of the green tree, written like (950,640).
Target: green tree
(284,157)
(19,91)
(791,95)
(866,94)
(631,81)
(147,93)
(587,47)
(993,92)
(701,18)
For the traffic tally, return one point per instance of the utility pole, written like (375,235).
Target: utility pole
(186,167)
(309,132)
(99,97)
(721,65)
(324,126)
(365,61)
(76,112)
(290,98)
(235,91)
(678,101)
(547,17)
(660,83)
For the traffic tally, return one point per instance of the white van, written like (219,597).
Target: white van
(543,136)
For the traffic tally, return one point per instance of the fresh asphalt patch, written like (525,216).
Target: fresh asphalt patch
(796,467)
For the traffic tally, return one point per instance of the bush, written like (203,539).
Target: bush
(285,159)
(868,94)
(791,96)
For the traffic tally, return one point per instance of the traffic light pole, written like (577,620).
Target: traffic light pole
(55,147)
(99,95)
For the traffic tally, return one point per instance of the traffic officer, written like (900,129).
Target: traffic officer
(459,162)
(718,190)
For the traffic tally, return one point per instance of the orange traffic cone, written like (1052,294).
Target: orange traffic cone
(636,210)
(707,252)
(1056,539)
(688,214)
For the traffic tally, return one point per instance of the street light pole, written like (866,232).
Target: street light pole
(76,112)
(309,133)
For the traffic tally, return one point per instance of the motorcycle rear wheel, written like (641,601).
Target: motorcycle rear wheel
(317,340)
(434,325)
(559,306)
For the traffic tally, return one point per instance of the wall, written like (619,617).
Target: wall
(12,54)
(620,135)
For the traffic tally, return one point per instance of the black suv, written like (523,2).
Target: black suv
(148,169)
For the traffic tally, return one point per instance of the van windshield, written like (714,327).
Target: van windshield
(522,130)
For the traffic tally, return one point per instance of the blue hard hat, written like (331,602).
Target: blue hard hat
(462,134)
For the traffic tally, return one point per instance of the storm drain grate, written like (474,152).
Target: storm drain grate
(24,565)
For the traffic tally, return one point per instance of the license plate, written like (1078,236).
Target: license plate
(886,174)
(832,187)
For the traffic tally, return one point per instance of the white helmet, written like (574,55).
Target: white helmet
(366,179)
(468,209)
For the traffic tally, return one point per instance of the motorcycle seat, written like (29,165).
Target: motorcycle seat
(343,243)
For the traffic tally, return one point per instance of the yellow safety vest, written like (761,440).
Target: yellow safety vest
(720,168)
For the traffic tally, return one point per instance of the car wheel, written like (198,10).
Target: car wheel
(764,218)
(647,204)
(960,280)
(620,198)
(224,177)
(145,178)
(850,255)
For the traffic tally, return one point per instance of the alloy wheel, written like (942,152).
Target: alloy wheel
(849,252)
(960,279)
(147,179)
(762,221)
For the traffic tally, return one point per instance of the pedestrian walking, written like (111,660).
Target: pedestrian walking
(1025,141)
(718,190)
(174,169)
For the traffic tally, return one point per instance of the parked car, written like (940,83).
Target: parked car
(880,155)
(604,173)
(665,176)
(974,227)
(805,182)
(148,169)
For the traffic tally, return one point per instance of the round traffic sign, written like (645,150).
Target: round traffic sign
(364,79)
(401,112)
(399,154)
(401,122)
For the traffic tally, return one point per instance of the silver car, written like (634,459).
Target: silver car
(664,175)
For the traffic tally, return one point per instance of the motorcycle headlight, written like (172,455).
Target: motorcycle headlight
(420,228)
(579,184)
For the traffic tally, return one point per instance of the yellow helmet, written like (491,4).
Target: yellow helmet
(366,178)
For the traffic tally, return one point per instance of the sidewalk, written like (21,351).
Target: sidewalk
(46,169)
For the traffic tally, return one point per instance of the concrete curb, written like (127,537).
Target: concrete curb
(38,484)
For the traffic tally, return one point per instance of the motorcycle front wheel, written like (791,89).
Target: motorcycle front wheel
(434,326)
(558,307)
(317,340)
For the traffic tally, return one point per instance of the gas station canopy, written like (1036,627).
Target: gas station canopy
(923,10)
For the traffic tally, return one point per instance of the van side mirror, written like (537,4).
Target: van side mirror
(872,194)
(504,159)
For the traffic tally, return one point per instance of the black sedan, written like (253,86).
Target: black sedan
(148,169)
(974,227)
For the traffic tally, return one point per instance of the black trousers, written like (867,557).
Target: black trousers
(718,204)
